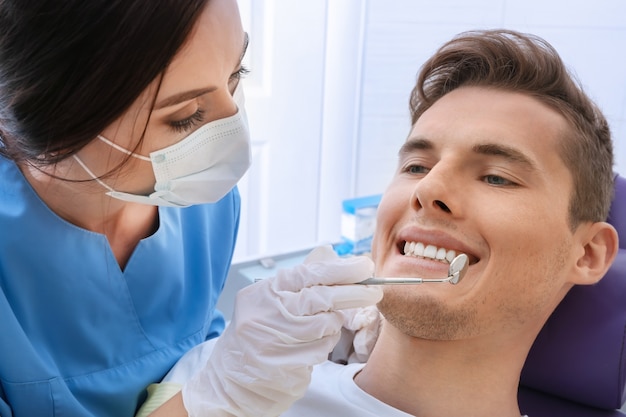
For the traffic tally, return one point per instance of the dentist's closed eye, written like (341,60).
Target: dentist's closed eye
(198,118)
(189,123)
(236,77)
(240,73)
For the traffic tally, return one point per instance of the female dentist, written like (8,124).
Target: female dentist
(122,137)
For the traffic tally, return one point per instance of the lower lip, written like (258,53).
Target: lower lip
(412,264)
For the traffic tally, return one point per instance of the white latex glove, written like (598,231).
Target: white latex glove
(281,327)
(359,334)
(366,325)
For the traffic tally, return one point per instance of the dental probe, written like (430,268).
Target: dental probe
(456,271)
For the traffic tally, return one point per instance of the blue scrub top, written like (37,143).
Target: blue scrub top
(80,337)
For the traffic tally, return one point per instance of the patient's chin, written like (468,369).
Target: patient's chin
(425,317)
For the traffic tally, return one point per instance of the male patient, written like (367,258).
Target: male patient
(510,163)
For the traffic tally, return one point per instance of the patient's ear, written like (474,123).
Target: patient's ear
(599,248)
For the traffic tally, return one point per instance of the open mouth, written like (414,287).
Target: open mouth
(441,254)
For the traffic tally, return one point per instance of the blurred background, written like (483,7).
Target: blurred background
(327,96)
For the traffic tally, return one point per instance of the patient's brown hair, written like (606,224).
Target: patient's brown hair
(525,63)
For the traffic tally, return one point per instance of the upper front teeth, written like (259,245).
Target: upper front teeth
(429,251)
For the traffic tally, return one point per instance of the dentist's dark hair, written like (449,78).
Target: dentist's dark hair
(524,63)
(69,68)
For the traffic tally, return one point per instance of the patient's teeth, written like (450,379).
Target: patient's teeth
(430,251)
(411,247)
(419,249)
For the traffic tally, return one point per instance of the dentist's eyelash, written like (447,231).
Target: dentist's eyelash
(197,118)
(189,123)
(240,73)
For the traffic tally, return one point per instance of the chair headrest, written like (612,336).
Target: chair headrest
(536,404)
(580,354)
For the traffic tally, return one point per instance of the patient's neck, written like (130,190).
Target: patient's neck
(444,378)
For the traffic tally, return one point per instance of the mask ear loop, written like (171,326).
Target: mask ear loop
(91,174)
(126,151)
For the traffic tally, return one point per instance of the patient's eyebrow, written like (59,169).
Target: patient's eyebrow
(414,144)
(488,149)
(511,154)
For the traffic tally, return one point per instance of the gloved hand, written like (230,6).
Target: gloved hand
(366,325)
(281,327)
(360,331)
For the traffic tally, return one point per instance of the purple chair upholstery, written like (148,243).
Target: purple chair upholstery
(577,365)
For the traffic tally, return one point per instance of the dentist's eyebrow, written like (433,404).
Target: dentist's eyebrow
(506,152)
(184,96)
(191,94)
(246,41)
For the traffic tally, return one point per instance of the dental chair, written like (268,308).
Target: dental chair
(577,365)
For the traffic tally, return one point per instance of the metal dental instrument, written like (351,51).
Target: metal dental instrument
(456,271)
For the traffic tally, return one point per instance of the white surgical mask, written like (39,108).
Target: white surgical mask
(201,168)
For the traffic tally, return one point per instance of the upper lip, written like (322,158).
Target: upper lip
(437,238)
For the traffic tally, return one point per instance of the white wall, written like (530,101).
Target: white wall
(402,34)
(327,99)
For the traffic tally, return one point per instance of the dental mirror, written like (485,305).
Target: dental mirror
(456,271)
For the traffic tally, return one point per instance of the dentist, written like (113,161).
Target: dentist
(122,137)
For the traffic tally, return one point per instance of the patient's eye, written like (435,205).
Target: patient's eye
(497,180)
(416,169)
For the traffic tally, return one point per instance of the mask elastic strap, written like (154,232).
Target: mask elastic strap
(126,151)
(91,174)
